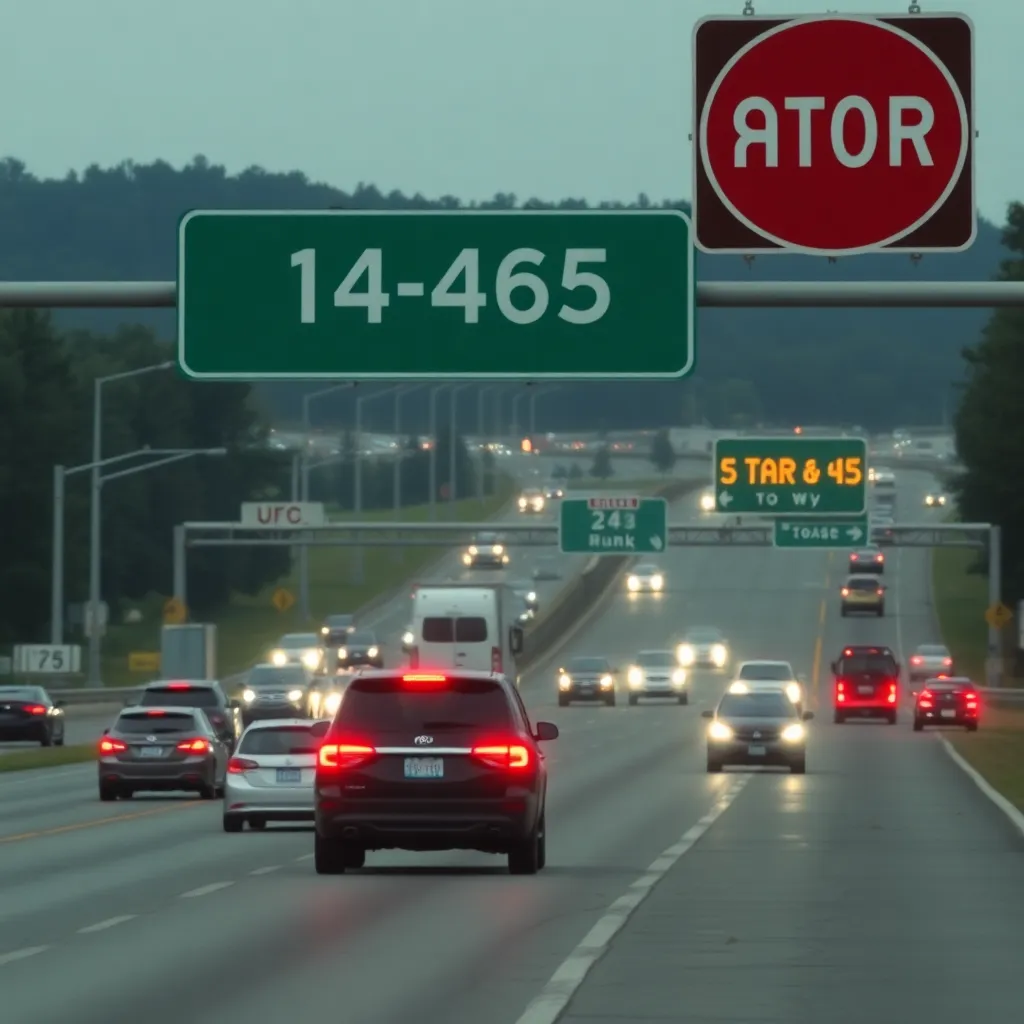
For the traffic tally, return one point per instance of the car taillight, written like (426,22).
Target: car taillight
(238,765)
(947,661)
(503,755)
(108,746)
(840,691)
(916,660)
(879,591)
(155,714)
(198,746)
(892,693)
(340,756)
(495,659)
(179,686)
(36,709)
(924,699)
(845,592)
(879,558)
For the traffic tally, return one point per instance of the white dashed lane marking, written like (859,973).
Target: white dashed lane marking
(266,870)
(21,954)
(205,890)
(102,926)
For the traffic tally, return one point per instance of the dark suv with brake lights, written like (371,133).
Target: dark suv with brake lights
(225,715)
(947,700)
(431,761)
(866,684)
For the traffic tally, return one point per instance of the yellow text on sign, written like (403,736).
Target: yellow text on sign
(787,472)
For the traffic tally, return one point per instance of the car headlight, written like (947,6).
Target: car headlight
(498,549)
(531,596)
(739,687)
(606,682)
(707,503)
(248,696)
(332,702)
(467,559)
(311,659)
(373,652)
(636,676)
(473,550)
(408,638)
(793,692)
(564,681)
(522,503)
(278,658)
(719,654)
(793,733)
(342,652)
(684,652)
(324,630)
(942,500)
(294,695)
(657,582)
(719,732)
(633,583)
(679,677)
(538,504)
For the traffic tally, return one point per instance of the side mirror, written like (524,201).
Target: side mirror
(833,667)
(807,716)
(707,714)
(319,729)
(544,731)
(515,639)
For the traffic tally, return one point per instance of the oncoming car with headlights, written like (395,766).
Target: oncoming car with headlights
(646,578)
(773,675)
(657,674)
(325,696)
(361,649)
(486,552)
(531,500)
(707,501)
(757,728)
(275,691)
(703,647)
(935,500)
(304,648)
(585,678)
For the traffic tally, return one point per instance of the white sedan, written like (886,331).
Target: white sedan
(647,578)
(774,675)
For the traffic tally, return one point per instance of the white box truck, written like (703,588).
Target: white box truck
(465,625)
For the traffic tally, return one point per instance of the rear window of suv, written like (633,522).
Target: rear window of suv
(195,697)
(469,629)
(871,664)
(135,724)
(393,705)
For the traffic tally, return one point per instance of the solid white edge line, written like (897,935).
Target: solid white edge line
(21,954)
(1011,812)
(110,922)
(549,1005)
(205,890)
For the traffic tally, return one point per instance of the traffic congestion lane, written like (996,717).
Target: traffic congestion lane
(625,782)
(849,886)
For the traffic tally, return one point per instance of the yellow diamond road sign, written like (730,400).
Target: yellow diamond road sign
(283,599)
(174,612)
(998,616)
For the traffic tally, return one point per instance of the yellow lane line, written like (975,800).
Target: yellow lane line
(78,826)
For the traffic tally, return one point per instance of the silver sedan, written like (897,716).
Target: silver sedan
(270,777)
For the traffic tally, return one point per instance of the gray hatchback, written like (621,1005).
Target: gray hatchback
(161,749)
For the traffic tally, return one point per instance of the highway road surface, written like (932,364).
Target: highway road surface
(85,725)
(880,886)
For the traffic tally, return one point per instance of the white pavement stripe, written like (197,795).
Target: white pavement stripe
(305,856)
(21,954)
(102,926)
(266,870)
(985,786)
(205,890)
(556,994)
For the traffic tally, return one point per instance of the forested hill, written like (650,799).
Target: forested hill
(875,367)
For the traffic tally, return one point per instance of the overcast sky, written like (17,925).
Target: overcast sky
(546,98)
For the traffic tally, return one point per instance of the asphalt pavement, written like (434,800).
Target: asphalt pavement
(879,885)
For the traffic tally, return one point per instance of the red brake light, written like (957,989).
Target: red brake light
(198,746)
(179,686)
(424,677)
(495,659)
(947,661)
(892,693)
(339,756)
(879,558)
(845,591)
(504,755)
(36,709)
(108,746)
(847,653)
(879,591)
(155,714)
(916,660)
(238,765)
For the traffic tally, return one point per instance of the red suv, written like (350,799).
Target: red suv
(431,761)
(866,684)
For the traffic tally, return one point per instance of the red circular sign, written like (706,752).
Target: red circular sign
(834,134)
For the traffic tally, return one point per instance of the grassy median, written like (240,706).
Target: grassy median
(961,597)
(996,750)
(47,757)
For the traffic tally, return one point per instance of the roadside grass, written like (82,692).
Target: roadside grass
(996,750)
(47,757)
(960,598)
(249,625)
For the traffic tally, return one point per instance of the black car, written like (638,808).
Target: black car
(947,700)
(584,678)
(867,560)
(759,728)
(431,761)
(28,714)
(161,749)
(275,691)
(362,648)
(336,629)
(225,715)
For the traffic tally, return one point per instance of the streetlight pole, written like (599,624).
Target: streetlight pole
(396,487)
(533,405)
(307,426)
(452,447)
(480,436)
(516,399)
(92,617)
(434,392)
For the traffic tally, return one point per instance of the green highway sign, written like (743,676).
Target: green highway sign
(791,475)
(821,533)
(613,525)
(415,294)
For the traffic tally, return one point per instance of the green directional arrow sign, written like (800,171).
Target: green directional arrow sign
(613,525)
(821,533)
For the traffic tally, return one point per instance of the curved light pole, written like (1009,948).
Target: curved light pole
(452,452)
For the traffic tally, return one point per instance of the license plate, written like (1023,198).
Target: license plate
(424,768)
(756,751)
(866,690)
(289,775)
(151,752)
(949,713)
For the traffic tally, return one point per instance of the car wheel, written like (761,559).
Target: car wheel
(207,792)
(893,717)
(257,823)
(233,823)
(918,725)
(838,717)
(610,700)
(524,857)
(563,702)
(881,611)
(59,741)
(633,700)
(972,726)
(46,739)
(542,842)
(108,793)
(684,698)
(328,856)
(714,766)
(842,612)
(353,856)
(798,767)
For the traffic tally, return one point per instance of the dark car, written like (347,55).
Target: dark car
(486,552)
(947,700)
(225,715)
(335,630)
(162,749)
(867,560)
(586,678)
(27,714)
(431,761)
(275,691)
(362,648)
(759,728)
(866,684)
(553,491)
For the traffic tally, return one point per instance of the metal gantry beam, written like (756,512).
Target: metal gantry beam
(733,294)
